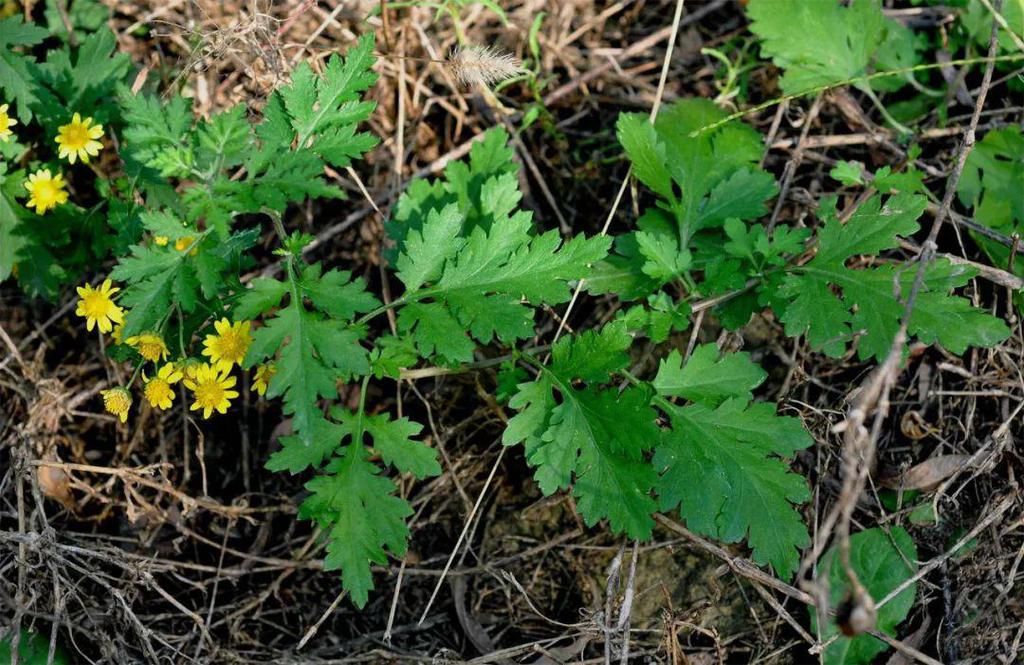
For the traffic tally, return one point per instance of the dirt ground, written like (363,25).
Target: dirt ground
(164,542)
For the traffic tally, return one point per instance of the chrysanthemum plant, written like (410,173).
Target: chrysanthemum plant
(190,198)
(55,117)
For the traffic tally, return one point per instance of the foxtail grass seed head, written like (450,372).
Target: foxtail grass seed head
(482,65)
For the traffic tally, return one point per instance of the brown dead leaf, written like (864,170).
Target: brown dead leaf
(915,640)
(914,426)
(55,484)
(928,474)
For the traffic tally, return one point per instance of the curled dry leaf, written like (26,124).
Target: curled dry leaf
(914,426)
(928,474)
(54,483)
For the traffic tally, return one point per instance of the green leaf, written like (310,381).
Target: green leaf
(16,70)
(622,272)
(300,452)
(11,215)
(165,223)
(484,286)
(708,376)
(702,180)
(335,292)
(317,351)
(743,195)
(818,43)
(991,183)
(291,178)
(224,139)
(592,356)
(314,348)
(482,278)
(590,438)
(882,561)
(752,244)
(263,294)
(393,440)
(811,305)
(665,261)
(33,649)
(362,518)
(155,277)
(84,77)
(436,331)
(391,355)
(155,131)
(85,15)
(723,463)
(339,147)
(724,468)
(646,152)
(427,249)
(848,173)
(489,159)
(317,104)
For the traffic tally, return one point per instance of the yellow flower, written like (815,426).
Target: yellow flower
(184,242)
(117,401)
(188,367)
(262,379)
(46,190)
(161,240)
(77,140)
(116,334)
(228,347)
(212,390)
(97,307)
(150,346)
(6,122)
(158,391)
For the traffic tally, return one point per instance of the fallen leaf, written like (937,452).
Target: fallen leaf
(928,474)
(55,484)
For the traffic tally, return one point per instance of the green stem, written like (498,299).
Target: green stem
(135,374)
(275,217)
(660,401)
(391,305)
(857,79)
(900,127)
(357,434)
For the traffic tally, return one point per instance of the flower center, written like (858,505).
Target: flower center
(157,389)
(45,192)
(96,305)
(116,402)
(209,393)
(231,346)
(76,136)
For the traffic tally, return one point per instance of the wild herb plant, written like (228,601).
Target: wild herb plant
(180,203)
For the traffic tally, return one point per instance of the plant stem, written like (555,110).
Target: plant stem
(384,308)
(1013,57)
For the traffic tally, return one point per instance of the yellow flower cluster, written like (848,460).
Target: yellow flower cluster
(181,244)
(210,382)
(77,140)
